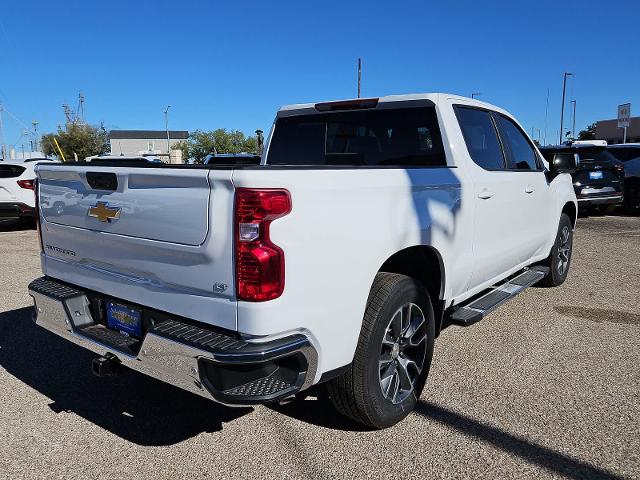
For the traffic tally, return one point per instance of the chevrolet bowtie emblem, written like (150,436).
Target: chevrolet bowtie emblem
(102,212)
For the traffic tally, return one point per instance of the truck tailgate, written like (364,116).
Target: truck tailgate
(158,237)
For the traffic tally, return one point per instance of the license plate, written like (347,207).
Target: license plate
(125,319)
(595,175)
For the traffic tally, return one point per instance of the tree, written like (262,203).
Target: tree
(80,139)
(589,133)
(201,143)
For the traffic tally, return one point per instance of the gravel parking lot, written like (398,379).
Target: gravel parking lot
(546,386)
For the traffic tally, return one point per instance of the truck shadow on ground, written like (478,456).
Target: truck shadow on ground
(526,450)
(319,412)
(133,406)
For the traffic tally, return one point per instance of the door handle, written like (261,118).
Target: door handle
(529,189)
(485,194)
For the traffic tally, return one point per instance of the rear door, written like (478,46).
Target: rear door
(159,237)
(532,195)
(498,220)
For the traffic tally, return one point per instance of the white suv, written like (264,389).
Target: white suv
(16,188)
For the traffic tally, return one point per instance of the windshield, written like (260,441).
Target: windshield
(391,137)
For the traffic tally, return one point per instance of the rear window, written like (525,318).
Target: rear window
(481,138)
(597,155)
(407,137)
(11,171)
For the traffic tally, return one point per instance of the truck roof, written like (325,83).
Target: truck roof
(301,108)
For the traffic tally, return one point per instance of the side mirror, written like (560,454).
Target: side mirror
(564,163)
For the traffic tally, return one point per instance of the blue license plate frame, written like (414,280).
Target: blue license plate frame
(124,318)
(596,176)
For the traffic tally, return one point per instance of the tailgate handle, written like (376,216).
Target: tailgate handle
(102,180)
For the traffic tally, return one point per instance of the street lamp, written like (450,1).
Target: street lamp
(573,127)
(166,127)
(35,134)
(564,89)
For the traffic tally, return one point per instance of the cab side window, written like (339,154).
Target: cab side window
(520,153)
(481,137)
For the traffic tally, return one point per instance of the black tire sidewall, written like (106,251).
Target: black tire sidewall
(384,412)
(558,278)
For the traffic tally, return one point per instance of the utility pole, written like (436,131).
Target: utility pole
(573,127)
(475,94)
(2,147)
(359,75)
(166,127)
(564,89)
(35,133)
(68,113)
(546,115)
(81,107)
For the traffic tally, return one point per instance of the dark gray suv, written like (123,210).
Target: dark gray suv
(629,155)
(599,179)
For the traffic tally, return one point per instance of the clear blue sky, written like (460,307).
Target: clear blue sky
(231,64)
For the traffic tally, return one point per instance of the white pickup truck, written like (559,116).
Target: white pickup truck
(367,226)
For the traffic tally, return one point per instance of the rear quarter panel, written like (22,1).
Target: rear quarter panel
(343,225)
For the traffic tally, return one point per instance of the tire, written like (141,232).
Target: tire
(395,302)
(631,201)
(559,260)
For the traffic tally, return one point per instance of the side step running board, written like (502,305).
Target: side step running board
(476,309)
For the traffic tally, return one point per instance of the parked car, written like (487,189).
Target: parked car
(367,227)
(16,188)
(599,178)
(629,155)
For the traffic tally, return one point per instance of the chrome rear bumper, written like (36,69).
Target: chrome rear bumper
(207,362)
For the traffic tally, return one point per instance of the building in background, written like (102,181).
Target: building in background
(146,142)
(608,130)
(21,155)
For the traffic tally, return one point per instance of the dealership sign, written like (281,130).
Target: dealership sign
(624,115)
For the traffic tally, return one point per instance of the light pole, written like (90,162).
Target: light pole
(475,94)
(573,126)
(35,134)
(2,147)
(166,127)
(359,75)
(564,89)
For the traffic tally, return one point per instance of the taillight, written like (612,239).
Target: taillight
(36,188)
(28,184)
(259,262)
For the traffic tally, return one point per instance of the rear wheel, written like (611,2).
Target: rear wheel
(393,355)
(632,200)
(560,259)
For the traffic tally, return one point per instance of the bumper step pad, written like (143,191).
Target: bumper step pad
(262,387)
(477,308)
